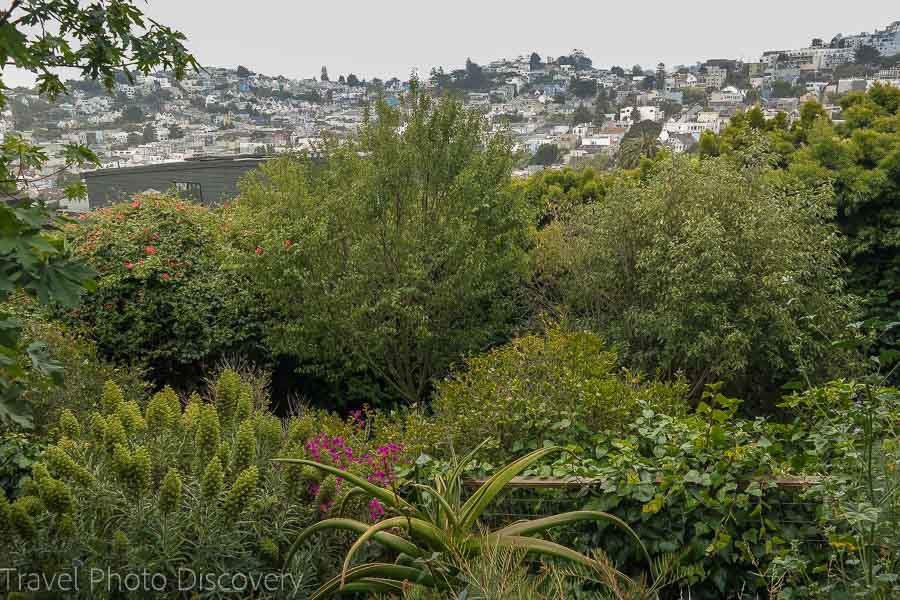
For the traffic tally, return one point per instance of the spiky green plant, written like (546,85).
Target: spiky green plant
(447,527)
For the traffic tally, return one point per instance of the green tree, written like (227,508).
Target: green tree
(41,36)
(546,155)
(581,115)
(584,88)
(409,245)
(694,95)
(352,80)
(149,133)
(535,62)
(709,144)
(642,140)
(132,114)
(710,268)
(866,55)
(176,132)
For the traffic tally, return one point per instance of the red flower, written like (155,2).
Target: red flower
(165,276)
(136,204)
(259,250)
(288,244)
(129,265)
(150,250)
(108,306)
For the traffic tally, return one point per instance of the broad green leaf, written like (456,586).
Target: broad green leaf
(388,540)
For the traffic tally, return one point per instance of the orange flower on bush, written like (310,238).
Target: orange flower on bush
(165,276)
(129,265)
(259,250)
(150,250)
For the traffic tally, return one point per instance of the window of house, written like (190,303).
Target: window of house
(189,190)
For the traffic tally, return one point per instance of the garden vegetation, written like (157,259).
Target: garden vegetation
(389,370)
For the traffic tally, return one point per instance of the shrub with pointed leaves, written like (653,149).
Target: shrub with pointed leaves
(441,529)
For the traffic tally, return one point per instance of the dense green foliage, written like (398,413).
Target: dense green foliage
(709,268)
(402,251)
(860,158)
(34,264)
(558,387)
(168,297)
(552,193)
(41,36)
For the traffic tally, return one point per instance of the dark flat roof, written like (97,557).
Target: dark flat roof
(204,162)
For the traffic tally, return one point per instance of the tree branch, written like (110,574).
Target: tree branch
(4,17)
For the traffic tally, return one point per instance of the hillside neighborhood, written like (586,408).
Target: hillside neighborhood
(561,110)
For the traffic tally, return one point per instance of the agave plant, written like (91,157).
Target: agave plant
(441,531)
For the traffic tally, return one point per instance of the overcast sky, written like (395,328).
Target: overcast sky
(391,37)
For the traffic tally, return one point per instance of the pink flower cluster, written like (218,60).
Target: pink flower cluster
(380,464)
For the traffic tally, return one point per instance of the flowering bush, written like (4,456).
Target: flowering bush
(166,296)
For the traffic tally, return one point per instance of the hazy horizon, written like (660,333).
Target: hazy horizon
(281,38)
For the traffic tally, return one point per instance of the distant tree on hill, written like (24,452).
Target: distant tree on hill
(671,109)
(546,155)
(637,70)
(475,78)
(175,132)
(535,62)
(352,80)
(149,133)
(243,71)
(132,114)
(618,71)
(582,115)
(866,55)
(584,88)
(324,76)
(694,95)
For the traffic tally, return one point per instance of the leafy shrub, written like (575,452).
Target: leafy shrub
(83,375)
(401,251)
(552,193)
(853,432)
(166,296)
(709,267)
(700,485)
(18,452)
(160,489)
(560,387)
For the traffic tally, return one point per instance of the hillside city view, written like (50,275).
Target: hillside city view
(542,325)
